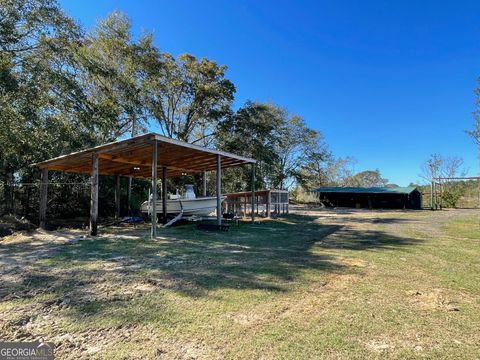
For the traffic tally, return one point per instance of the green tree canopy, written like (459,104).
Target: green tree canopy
(282,144)
(44,111)
(63,89)
(367,178)
(114,71)
(188,97)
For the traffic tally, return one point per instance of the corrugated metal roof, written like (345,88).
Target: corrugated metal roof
(367,190)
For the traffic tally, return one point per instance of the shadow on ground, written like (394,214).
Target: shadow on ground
(269,256)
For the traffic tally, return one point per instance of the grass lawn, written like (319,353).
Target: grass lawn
(325,284)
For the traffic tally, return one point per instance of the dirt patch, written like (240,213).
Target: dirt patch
(245,318)
(317,270)
(435,299)
(354,262)
(341,281)
(379,346)
(178,349)
(23,248)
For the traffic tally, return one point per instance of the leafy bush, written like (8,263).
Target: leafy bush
(300,195)
(450,197)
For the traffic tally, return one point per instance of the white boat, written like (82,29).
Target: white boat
(198,206)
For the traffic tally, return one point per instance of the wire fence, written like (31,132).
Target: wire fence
(68,200)
(69,197)
(460,193)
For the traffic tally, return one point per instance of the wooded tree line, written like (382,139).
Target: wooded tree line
(65,89)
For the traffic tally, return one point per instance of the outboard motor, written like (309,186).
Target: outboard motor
(189,193)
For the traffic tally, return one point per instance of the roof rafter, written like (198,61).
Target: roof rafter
(132,157)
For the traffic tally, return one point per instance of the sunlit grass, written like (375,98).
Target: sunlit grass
(465,227)
(366,285)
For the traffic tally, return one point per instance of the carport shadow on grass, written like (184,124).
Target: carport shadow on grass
(268,256)
(364,240)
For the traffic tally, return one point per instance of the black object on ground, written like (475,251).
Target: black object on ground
(5,232)
(213,227)
(132,219)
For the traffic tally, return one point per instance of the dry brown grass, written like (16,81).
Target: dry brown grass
(318,284)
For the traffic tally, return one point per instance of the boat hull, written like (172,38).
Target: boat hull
(198,206)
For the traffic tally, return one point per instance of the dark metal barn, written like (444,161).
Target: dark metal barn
(371,197)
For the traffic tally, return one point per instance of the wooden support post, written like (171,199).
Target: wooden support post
(153,233)
(269,203)
(164,194)
(43,198)
(117,197)
(219,189)
(94,196)
(129,196)
(245,206)
(440,187)
(431,195)
(478,178)
(253,192)
(204,184)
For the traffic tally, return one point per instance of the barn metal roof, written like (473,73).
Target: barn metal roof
(367,190)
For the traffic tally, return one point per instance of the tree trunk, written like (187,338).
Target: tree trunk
(26,198)
(8,190)
(3,204)
(43,192)
(130,179)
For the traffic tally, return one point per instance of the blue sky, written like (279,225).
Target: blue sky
(386,82)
